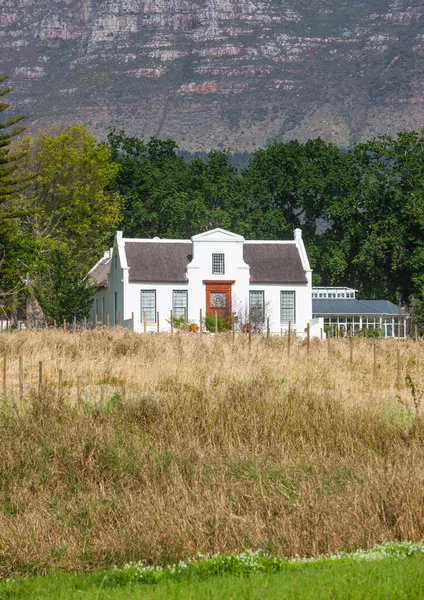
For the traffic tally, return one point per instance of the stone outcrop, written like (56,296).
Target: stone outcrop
(232,73)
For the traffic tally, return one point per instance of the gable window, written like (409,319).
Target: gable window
(287,305)
(257,306)
(179,303)
(148,305)
(218,264)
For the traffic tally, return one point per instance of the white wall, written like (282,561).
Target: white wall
(163,304)
(303,306)
(115,284)
(200,268)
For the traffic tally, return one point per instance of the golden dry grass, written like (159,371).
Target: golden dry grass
(159,447)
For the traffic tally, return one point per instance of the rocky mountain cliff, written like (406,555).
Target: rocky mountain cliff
(213,73)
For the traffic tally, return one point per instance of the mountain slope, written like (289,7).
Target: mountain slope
(237,73)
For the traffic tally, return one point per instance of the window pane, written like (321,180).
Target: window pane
(257,306)
(148,305)
(218,299)
(179,303)
(217,264)
(287,307)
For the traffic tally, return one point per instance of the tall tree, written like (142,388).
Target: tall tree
(71,215)
(9,184)
(387,230)
(12,245)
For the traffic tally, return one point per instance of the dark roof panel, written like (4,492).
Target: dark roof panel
(100,273)
(274,263)
(158,262)
(385,306)
(329,306)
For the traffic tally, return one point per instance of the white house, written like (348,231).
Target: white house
(214,271)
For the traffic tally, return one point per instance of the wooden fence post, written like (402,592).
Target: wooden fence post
(398,369)
(40,376)
(85,324)
(374,365)
(59,385)
(308,337)
(267,328)
(216,321)
(250,331)
(328,345)
(79,389)
(119,319)
(75,324)
(157,322)
(4,373)
(172,323)
(21,376)
(108,320)
(289,338)
(144,322)
(132,322)
(64,325)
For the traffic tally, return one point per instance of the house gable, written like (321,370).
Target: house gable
(217,235)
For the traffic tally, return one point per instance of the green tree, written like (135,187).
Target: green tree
(386,231)
(62,286)
(67,201)
(9,184)
(12,243)
(69,213)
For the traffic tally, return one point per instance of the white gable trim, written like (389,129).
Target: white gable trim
(217,235)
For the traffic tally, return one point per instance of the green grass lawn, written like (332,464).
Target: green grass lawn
(378,580)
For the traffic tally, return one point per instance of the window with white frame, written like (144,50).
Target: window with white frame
(288,302)
(148,305)
(257,306)
(218,264)
(179,303)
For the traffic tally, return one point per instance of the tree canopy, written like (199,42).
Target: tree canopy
(361,210)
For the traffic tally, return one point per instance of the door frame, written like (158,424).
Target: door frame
(220,285)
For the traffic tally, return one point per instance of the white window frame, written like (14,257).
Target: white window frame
(218,264)
(288,294)
(147,309)
(179,311)
(251,305)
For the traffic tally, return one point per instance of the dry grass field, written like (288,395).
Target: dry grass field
(157,447)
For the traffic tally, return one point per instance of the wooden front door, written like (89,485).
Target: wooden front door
(219,298)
